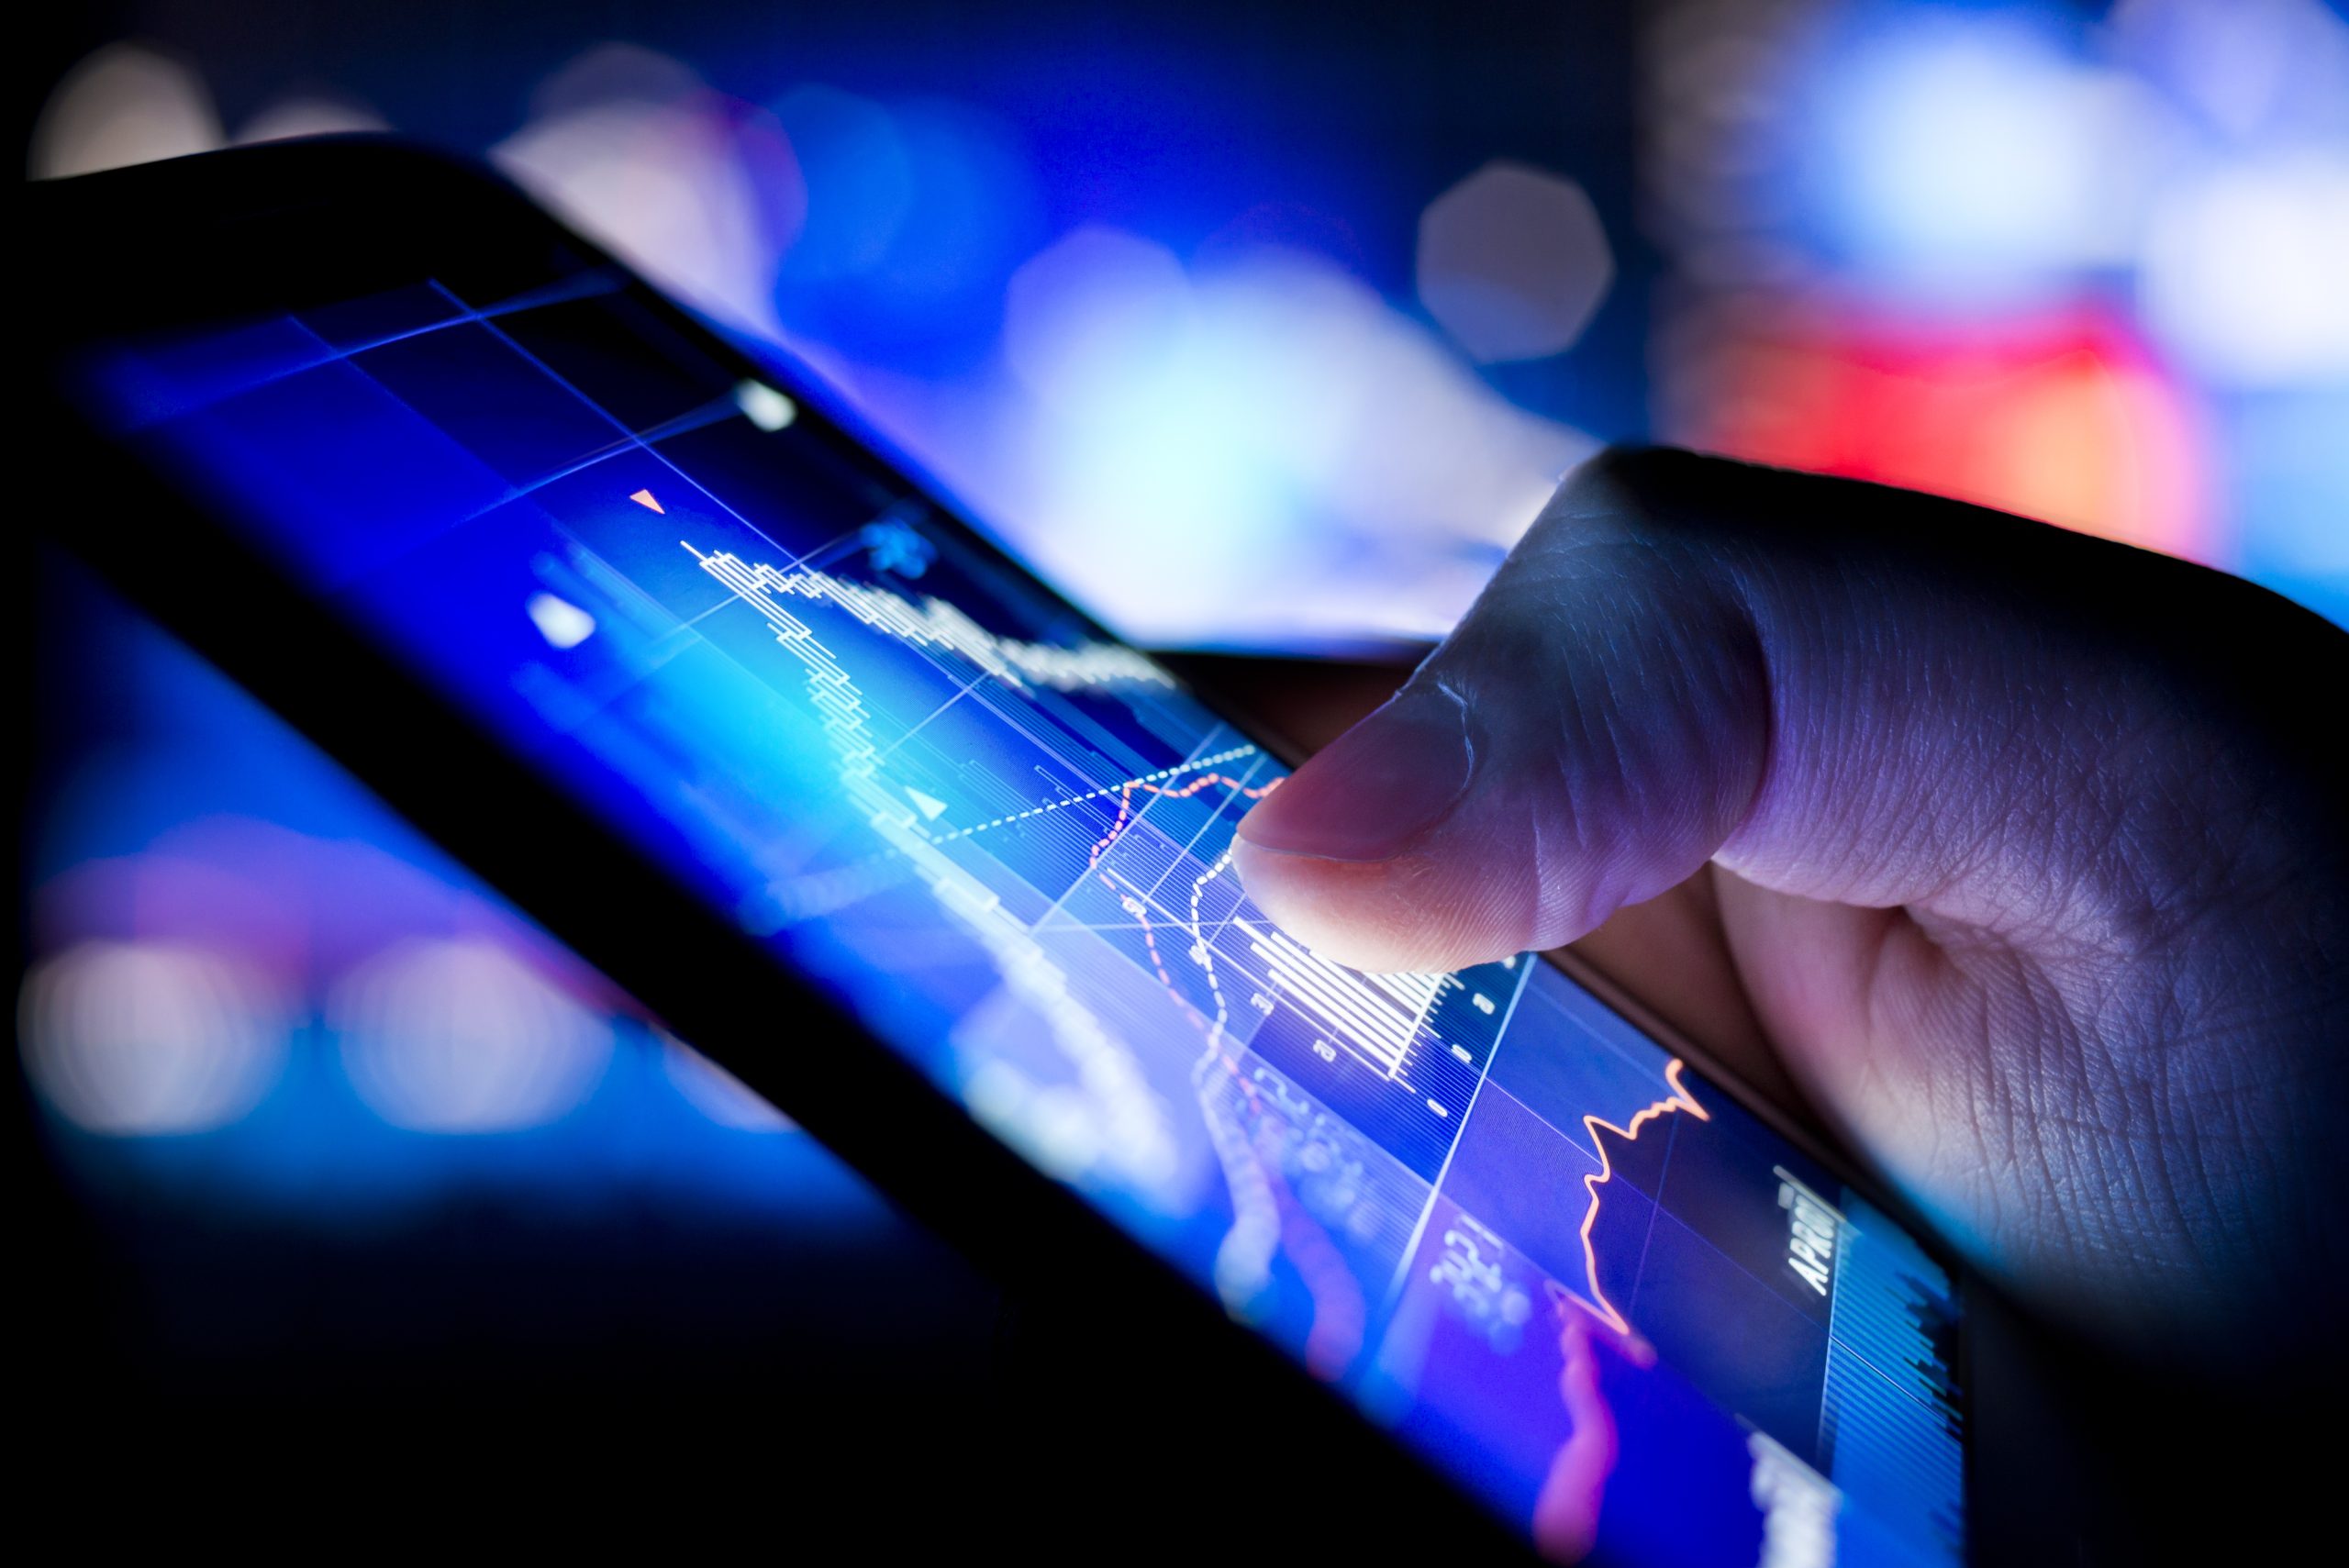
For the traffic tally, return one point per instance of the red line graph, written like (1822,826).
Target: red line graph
(1132,902)
(1184,792)
(1132,905)
(1679,1100)
(1336,1334)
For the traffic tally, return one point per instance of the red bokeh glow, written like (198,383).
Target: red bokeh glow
(2064,417)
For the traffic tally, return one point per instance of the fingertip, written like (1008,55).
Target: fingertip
(1343,910)
(1374,791)
(1406,914)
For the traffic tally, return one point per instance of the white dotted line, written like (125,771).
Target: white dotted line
(1095,794)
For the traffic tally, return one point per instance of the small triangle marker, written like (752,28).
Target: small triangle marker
(644,498)
(929,805)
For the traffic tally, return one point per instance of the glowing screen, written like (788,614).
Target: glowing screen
(1550,1258)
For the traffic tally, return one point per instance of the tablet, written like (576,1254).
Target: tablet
(664,644)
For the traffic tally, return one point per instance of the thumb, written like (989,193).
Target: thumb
(1838,692)
(1591,733)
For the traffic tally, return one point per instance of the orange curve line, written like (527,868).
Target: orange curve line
(1133,904)
(1679,1100)
(1126,804)
(1140,912)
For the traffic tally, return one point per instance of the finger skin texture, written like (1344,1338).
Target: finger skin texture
(2031,851)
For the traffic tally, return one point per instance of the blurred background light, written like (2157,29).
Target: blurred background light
(1201,442)
(2290,460)
(2083,267)
(1250,370)
(253,992)
(863,173)
(698,191)
(124,103)
(918,212)
(151,1038)
(1965,154)
(309,114)
(2248,69)
(2246,271)
(462,1036)
(1086,310)
(1513,263)
(2066,418)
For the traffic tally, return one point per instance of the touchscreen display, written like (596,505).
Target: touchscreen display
(1537,1248)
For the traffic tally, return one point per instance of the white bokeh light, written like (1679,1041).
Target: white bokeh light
(632,148)
(462,1036)
(309,114)
(149,1039)
(124,103)
(1972,158)
(2245,272)
(1084,313)
(1193,439)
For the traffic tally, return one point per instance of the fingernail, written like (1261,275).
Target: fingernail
(1376,788)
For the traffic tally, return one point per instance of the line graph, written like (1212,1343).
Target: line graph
(1139,1136)
(1127,791)
(1135,902)
(1246,1133)
(1303,1005)
(1233,754)
(1679,1100)
(1285,1040)
(934,623)
(1377,1018)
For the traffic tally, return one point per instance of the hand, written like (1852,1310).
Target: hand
(2029,852)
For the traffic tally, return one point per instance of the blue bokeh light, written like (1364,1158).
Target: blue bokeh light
(171,802)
